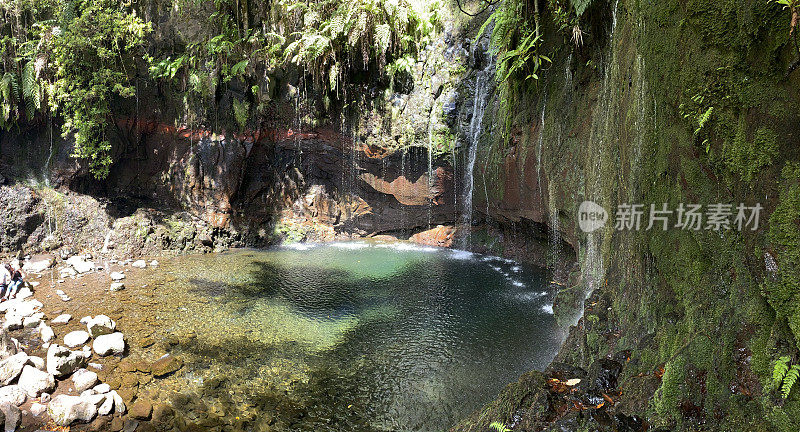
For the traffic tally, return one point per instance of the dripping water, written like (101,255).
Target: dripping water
(479,102)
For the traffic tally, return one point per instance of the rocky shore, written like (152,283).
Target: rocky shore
(58,369)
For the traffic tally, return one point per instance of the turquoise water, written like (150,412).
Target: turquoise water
(352,336)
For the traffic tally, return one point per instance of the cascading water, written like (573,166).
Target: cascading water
(479,101)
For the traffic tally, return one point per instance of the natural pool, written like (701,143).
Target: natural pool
(347,336)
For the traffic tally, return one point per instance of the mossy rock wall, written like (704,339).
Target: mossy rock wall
(678,102)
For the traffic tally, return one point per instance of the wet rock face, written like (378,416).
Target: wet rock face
(20,216)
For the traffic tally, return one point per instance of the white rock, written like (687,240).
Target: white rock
(102,388)
(33,284)
(37,362)
(100,325)
(83,380)
(67,272)
(75,338)
(33,321)
(11,367)
(13,416)
(117,276)
(86,319)
(13,394)
(154,263)
(45,397)
(46,333)
(24,293)
(62,319)
(38,409)
(97,366)
(25,308)
(107,406)
(116,286)
(113,343)
(88,392)
(60,292)
(34,382)
(12,322)
(38,265)
(80,264)
(119,404)
(61,361)
(65,409)
(139,264)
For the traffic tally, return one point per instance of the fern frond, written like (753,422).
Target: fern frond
(789,380)
(499,427)
(779,370)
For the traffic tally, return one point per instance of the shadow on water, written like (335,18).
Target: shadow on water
(414,349)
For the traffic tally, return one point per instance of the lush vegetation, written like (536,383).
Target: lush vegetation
(72,59)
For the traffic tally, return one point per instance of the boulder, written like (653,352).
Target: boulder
(119,404)
(65,409)
(117,276)
(67,272)
(11,367)
(38,264)
(24,308)
(113,343)
(166,365)
(37,362)
(75,338)
(61,361)
(100,325)
(61,319)
(13,394)
(80,264)
(33,321)
(38,409)
(7,345)
(13,416)
(139,264)
(85,320)
(107,406)
(34,382)
(24,293)
(12,322)
(116,286)
(142,409)
(83,380)
(46,333)
(102,388)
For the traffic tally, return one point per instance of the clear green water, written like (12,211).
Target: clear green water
(351,336)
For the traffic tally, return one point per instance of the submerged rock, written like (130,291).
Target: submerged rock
(166,365)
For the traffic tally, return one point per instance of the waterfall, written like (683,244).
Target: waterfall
(479,101)
(592,267)
(431,180)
